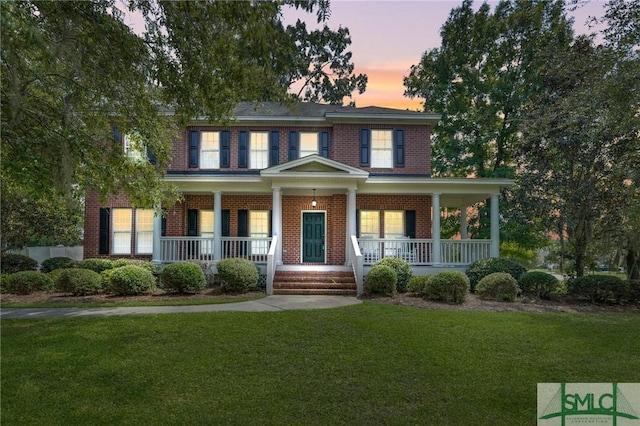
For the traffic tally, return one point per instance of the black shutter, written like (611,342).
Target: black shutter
(192,222)
(410,223)
(271,223)
(399,148)
(151,156)
(226,223)
(104,235)
(117,136)
(242,148)
(274,148)
(243,223)
(324,144)
(194,137)
(293,145)
(364,147)
(225,149)
(163,226)
(358,223)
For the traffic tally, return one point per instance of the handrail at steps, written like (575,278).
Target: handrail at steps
(271,264)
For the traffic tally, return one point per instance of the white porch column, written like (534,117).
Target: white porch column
(351,218)
(495,225)
(157,233)
(463,223)
(217,225)
(276,221)
(435,203)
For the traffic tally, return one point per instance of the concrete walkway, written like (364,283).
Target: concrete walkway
(267,304)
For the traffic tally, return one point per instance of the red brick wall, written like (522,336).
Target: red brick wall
(92,225)
(420,203)
(292,206)
(344,146)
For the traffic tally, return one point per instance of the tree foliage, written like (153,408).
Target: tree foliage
(72,72)
(581,147)
(479,79)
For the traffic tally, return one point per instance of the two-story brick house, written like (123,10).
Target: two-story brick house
(312,186)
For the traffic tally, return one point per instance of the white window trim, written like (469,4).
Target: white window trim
(120,233)
(253,152)
(214,152)
(147,232)
(381,157)
(309,152)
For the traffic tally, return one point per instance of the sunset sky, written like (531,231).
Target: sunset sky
(387,37)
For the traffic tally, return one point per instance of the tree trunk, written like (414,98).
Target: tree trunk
(633,264)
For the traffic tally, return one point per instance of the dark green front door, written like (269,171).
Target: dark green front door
(313,237)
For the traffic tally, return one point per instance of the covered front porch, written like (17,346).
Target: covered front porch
(336,196)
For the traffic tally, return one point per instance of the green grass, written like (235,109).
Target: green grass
(364,364)
(177,302)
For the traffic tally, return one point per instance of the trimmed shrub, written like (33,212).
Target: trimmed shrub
(403,270)
(447,286)
(483,267)
(96,265)
(26,282)
(237,275)
(417,284)
(130,280)
(499,286)
(598,288)
(11,263)
(54,263)
(182,277)
(79,282)
(633,291)
(539,284)
(149,266)
(4,282)
(381,280)
(205,266)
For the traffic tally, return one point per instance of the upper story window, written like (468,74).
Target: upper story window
(210,150)
(382,148)
(302,144)
(259,150)
(134,147)
(308,144)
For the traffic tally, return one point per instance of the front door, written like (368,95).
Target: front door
(313,237)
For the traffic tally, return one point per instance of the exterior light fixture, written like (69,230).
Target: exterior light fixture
(314,202)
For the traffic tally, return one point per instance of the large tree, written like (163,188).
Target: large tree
(484,72)
(73,70)
(581,152)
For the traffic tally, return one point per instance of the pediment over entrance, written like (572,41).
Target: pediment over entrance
(316,166)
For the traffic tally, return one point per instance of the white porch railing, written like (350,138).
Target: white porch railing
(419,252)
(177,249)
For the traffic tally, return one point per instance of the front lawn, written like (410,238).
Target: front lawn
(364,364)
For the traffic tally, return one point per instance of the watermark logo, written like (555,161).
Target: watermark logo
(563,404)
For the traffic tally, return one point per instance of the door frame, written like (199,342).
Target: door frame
(324,214)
